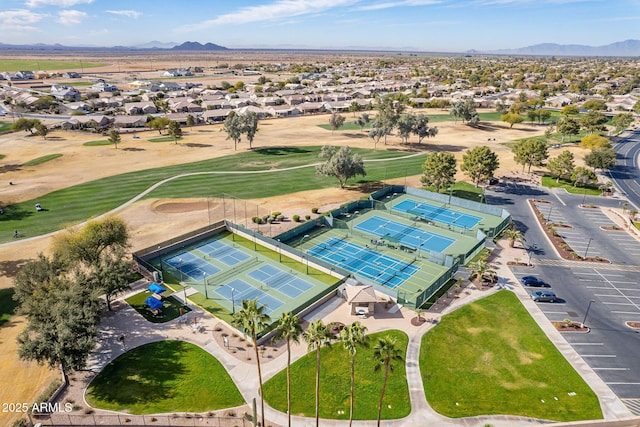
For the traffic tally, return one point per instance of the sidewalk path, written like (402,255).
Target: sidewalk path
(137,331)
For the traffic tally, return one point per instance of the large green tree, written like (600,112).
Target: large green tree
(62,314)
(288,329)
(336,120)
(594,141)
(439,170)
(352,337)
(175,131)
(479,164)
(234,127)
(252,320)
(159,124)
(582,176)
(422,129)
(340,163)
(114,137)
(465,110)
(514,118)
(363,120)
(317,336)
(622,121)
(25,124)
(530,152)
(593,121)
(567,126)
(250,126)
(601,158)
(562,165)
(385,353)
(389,112)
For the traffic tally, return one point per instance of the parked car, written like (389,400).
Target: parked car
(493,181)
(534,281)
(544,296)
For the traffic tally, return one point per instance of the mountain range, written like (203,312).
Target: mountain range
(628,48)
(624,48)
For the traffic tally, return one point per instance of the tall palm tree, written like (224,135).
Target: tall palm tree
(385,352)
(252,320)
(514,236)
(316,336)
(289,329)
(352,337)
(481,270)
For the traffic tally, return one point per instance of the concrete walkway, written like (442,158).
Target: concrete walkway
(126,322)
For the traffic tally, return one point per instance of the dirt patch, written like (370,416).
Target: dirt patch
(179,207)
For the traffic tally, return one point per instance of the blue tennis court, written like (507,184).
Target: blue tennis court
(406,235)
(280,280)
(223,252)
(386,270)
(437,213)
(192,266)
(240,290)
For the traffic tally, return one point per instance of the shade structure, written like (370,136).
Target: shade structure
(153,303)
(156,288)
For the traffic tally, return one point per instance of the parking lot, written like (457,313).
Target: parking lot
(612,297)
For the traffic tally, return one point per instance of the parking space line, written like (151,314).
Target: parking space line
(622,383)
(587,343)
(625,312)
(611,369)
(620,303)
(598,355)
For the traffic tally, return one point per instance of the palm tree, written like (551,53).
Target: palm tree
(316,336)
(385,352)
(252,320)
(352,337)
(481,270)
(289,329)
(514,236)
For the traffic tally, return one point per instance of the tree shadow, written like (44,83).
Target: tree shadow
(14,212)
(281,151)
(10,168)
(133,149)
(7,305)
(12,267)
(196,145)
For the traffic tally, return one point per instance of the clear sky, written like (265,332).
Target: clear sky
(422,25)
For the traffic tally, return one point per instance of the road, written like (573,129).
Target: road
(625,175)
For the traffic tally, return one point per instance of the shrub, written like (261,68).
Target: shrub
(296,218)
(270,220)
(256,220)
(280,218)
(314,210)
(307,217)
(275,214)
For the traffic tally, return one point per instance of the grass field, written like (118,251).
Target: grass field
(97,143)
(42,159)
(80,202)
(502,364)
(164,139)
(335,383)
(548,181)
(161,377)
(5,127)
(21,64)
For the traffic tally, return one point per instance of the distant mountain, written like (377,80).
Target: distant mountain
(198,46)
(155,45)
(624,48)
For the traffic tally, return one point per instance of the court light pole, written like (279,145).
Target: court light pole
(233,301)
(587,249)
(587,312)
(204,278)
(280,250)
(450,192)
(532,248)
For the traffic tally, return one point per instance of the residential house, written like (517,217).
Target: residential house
(64,92)
(142,107)
(103,87)
(130,121)
(215,116)
(71,75)
(283,111)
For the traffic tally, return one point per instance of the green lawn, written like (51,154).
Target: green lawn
(2,156)
(26,64)
(548,181)
(161,377)
(171,310)
(164,139)
(97,143)
(42,159)
(502,363)
(83,201)
(5,127)
(462,189)
(7,305)
(335,383)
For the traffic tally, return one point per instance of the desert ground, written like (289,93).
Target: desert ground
(154,220)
